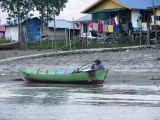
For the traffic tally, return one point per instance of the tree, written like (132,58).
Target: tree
(18,10)
(48,9)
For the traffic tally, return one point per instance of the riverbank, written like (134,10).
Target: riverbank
(136,66)
(10,55)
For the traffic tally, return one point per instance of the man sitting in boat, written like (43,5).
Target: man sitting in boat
(97,66)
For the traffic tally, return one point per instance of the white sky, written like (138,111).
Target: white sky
(73,9)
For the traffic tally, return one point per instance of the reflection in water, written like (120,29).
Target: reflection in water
(57,94)
(70,99)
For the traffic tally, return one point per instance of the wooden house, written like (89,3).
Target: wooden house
(121,15)
(2,32)
(11,32)
(31,30)
(64,29)
(85,26)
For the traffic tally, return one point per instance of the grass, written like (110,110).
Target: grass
(119,40)
(2,41)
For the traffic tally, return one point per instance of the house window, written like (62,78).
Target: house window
(124,17)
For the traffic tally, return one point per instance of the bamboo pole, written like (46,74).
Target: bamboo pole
(70,46)
(66,36)
(55,32)
(155,26)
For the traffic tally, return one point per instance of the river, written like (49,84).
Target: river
(131,90)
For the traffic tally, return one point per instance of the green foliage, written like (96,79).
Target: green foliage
(48,8)
(21,8)
(17,9)
(4,41)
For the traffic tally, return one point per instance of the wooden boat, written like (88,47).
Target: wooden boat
(64,76)
(9,46)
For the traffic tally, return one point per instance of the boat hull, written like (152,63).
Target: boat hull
(98,77)
(9,46)
(65,82)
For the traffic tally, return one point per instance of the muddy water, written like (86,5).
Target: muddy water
(129,92)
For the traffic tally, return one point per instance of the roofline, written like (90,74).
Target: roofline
(99,1)
(157,6)
(92,5)
(120,4)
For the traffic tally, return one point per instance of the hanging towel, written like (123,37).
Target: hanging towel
(152,20)
(90,26)
(144,26)
(113,21)
(116,20)
(115,28)
(156,17)
(100,26)
(139,24)
(105,26)
(110,28)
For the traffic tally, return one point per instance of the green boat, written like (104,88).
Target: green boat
(64,76)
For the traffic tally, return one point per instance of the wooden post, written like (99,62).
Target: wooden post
(155,26)
(148,33)
(52,38)
(73,28)
(55,32)
(140,42)
(70,46)
(66,36)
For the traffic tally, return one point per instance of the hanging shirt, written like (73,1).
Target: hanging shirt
(116,20)
(113,21)
(100,26)
(90,26)
(105,27)
(110,28)
(115,28)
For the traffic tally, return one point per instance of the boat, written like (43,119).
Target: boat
(9,46)
(64,76)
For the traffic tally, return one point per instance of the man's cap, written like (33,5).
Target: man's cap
(98,61)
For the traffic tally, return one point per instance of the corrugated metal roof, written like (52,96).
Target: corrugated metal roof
(85,18)
(139,4)
(60,24)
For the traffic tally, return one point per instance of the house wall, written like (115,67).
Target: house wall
(11,33)
(33,30)
(134,15)
(158,13)
(2,35)
(83,33)
(60,34)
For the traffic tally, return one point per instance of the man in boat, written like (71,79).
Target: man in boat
(95,67)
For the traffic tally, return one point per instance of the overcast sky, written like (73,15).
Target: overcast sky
(73,9)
